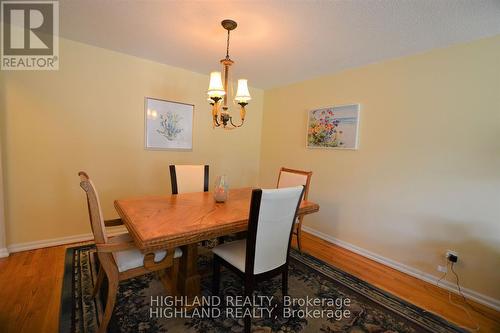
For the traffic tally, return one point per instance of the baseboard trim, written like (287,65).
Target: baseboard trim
(113,231)
(471,294)
(4,252)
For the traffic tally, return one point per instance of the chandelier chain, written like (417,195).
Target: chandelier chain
(227,44)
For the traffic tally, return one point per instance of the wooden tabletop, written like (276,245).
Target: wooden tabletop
(159,222)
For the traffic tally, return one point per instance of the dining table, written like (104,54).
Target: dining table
(165,222)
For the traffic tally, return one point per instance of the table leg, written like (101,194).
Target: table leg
(189,279)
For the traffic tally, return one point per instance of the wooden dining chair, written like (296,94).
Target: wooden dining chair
(189,178)
(118,257)
(265,252)
(290,177)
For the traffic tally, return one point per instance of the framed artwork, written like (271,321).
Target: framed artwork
(168,125)
(333,127)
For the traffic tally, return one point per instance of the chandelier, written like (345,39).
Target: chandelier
(220,88)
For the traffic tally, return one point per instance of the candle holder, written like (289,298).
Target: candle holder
(221,189)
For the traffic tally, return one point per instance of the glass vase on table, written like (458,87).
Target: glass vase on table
(221,189)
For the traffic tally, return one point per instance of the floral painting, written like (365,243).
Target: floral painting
(169,125)
(333,127)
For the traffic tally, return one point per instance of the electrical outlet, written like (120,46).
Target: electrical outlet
(442,269)
(451,253)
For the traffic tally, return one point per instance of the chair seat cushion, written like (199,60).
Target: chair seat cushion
(134,258)
(233,252)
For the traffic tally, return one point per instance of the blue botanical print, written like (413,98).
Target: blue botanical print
(170,125)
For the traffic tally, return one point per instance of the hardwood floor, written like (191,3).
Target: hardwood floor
(415,291)
(30,288)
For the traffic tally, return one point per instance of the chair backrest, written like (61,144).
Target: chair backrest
(291,177)
(189,178)
(272,214)
(94,207)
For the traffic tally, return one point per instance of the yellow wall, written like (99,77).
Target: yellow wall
(89,116)
(3,242)
(426,177)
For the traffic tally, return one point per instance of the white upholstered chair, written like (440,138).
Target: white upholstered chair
(118,257)
(189,178)
(290,177)
(265,251)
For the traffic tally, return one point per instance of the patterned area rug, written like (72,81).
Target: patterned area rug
(368,309)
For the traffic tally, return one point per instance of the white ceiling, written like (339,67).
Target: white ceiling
(277,42)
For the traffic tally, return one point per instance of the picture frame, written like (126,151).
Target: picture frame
(334,127)
(168,125)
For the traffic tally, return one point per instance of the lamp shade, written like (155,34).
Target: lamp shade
(242,94)
(215,88)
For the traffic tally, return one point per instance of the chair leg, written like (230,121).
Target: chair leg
(216,276)
(284,281)
(110,304)
(299,234)
(248,324)
(298,242)
(98,282)
(249,286)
